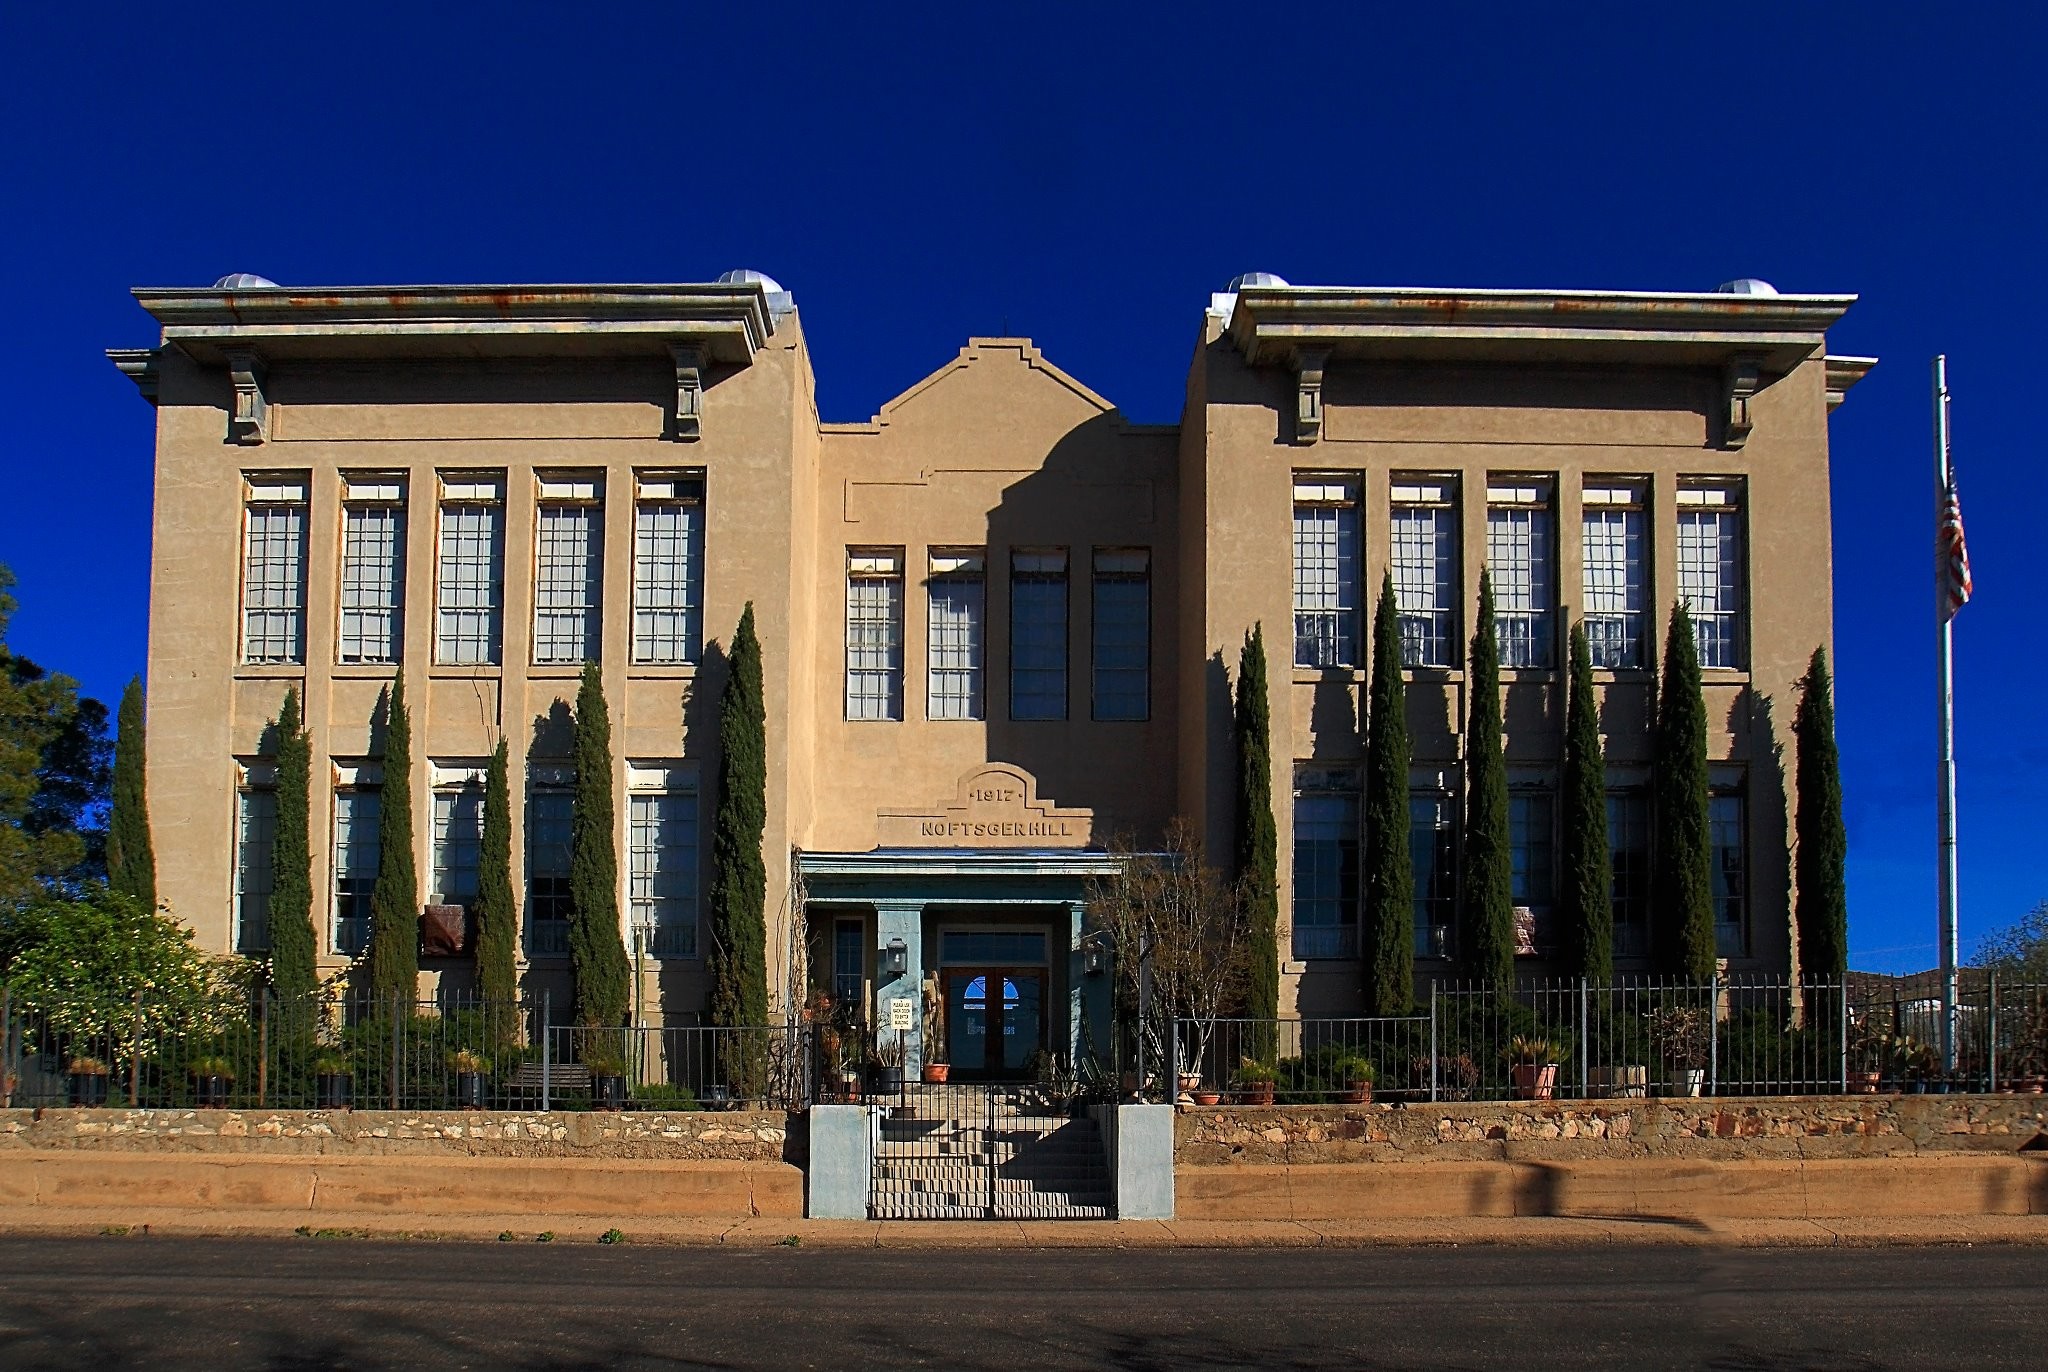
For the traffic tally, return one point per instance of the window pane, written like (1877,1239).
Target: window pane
(1730,874)
(1425,555)
(1614,586)
(1325,875)
(458,838)
(1628,846)
(1326,589)
(355,867)
(1710,582)
(472,584)
(1038,637)
(668,582)
(662,871)
(372,583)
(849,965)
(955,646)
(1520,562)
(1433,858)
(548,816)
(1529,840)
(255,834)
(874,646)
(274,585)
(566,593)
(1122,624)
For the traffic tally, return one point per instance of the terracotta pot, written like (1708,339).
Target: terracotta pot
(1534,1080)
(1863,1083)
(1208,1097)
(1358,1093)
(1190,1080)
(1256,1093)
(936,1072)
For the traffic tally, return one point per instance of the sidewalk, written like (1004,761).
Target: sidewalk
(763,1233)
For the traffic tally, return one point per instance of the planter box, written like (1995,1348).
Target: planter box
(334,1090)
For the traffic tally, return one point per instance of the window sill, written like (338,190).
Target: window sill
(475,671)
(661,671)
(555,671)
(1724,676)
(1537,675)
(1316,676)
(1440,676)
(270,671)
(1623,676)
(364,671)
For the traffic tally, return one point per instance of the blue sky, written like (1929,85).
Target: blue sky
(919,176)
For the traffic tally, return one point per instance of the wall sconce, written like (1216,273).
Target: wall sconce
(1093,959)
(895,958)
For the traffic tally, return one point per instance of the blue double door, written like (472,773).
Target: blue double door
(995,1020)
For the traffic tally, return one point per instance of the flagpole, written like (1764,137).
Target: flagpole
(1945,697)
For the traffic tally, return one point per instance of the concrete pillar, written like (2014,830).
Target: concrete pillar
(1088,997)
(841,1162)
(901,920)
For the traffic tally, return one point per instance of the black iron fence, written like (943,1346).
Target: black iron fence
(1736,1036)
(326,1051)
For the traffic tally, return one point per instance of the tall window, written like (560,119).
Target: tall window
(1326,866)
(1710,569)
(668,567)
(458,839)
(255,835)
(1432,855)
(850,965)
(1532,852)
(1522,560)
(1730,872)
(1425,559)
(1326,572)
(568,570)
(874,633)
(1038,634)
(1122,620)
(661,862)
(356,810)
(1612,527)
(1628,851)
(470,615)
(550,806)
(274,570)
(955,634)
(372,569)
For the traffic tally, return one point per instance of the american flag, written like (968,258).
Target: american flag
(1951,555)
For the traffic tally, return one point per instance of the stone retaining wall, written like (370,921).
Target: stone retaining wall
(739,1136)
(1721,1128)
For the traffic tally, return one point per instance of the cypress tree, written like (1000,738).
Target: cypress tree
(131,858)
(292,969)
(1823,843)
(394,951)
(1389,865)
(1587,897)
(1489,873)
(597,950)
(497,929)
(738,955)
(1258,840)
(1682,852)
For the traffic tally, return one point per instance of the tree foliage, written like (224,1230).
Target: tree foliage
(2020,948)
(293,970)
(597,950)
(1258,840)
(131,856)
(1682,846)
(738,954)
(1821,857)
(1586,894)
(394,952)
(1389,866)
(1489,874)
(497,917)
(53,775)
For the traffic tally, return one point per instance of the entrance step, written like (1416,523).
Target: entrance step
(978,1154)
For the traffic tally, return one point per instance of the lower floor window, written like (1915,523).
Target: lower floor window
(1530,846)
(850,965)
(1628,854)
(1326,874)
(662,871)
(458,842)
(548,814)
(1730,873)
(356,815)
(1432,854)
(255,835)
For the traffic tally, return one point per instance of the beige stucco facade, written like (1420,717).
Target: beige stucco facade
(996,452)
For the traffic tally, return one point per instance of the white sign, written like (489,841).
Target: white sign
(902,1013)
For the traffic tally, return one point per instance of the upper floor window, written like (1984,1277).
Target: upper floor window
(1425,562)
(1710,568)
(955,633)
(1038,634)
(1730,874)
(255,837)
(874,633)
(470,613)
(1432,856)
(357,807)
(372,569)
(1326,571)
(661,860)
(458,834)
(1612,525)
(1522,560)
(550,812)
(274,570)
(1122,623)
(1326,843)
(668,567)
(568,569)
(1628,851)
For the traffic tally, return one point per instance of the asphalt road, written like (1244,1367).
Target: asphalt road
(311,1303)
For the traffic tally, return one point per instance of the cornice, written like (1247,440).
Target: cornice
(1843,373)
(954,862)
(138,365)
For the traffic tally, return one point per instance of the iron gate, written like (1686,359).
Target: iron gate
(958,1151)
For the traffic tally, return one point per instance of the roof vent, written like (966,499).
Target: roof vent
(1238,283)
(244,281)
(741,276)
(1745,285)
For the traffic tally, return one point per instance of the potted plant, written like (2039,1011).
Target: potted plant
(607,1079)
(333,1081)
(1681,1036)
(935,1056)
(1204,1095)
(1354,1075)
(1870,1044)
(886,1067)
(469,1067)
(1532,1068)
(212,1077)
(88,1081)
(1254,1082)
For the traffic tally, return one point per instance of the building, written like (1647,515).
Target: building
(999,619)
